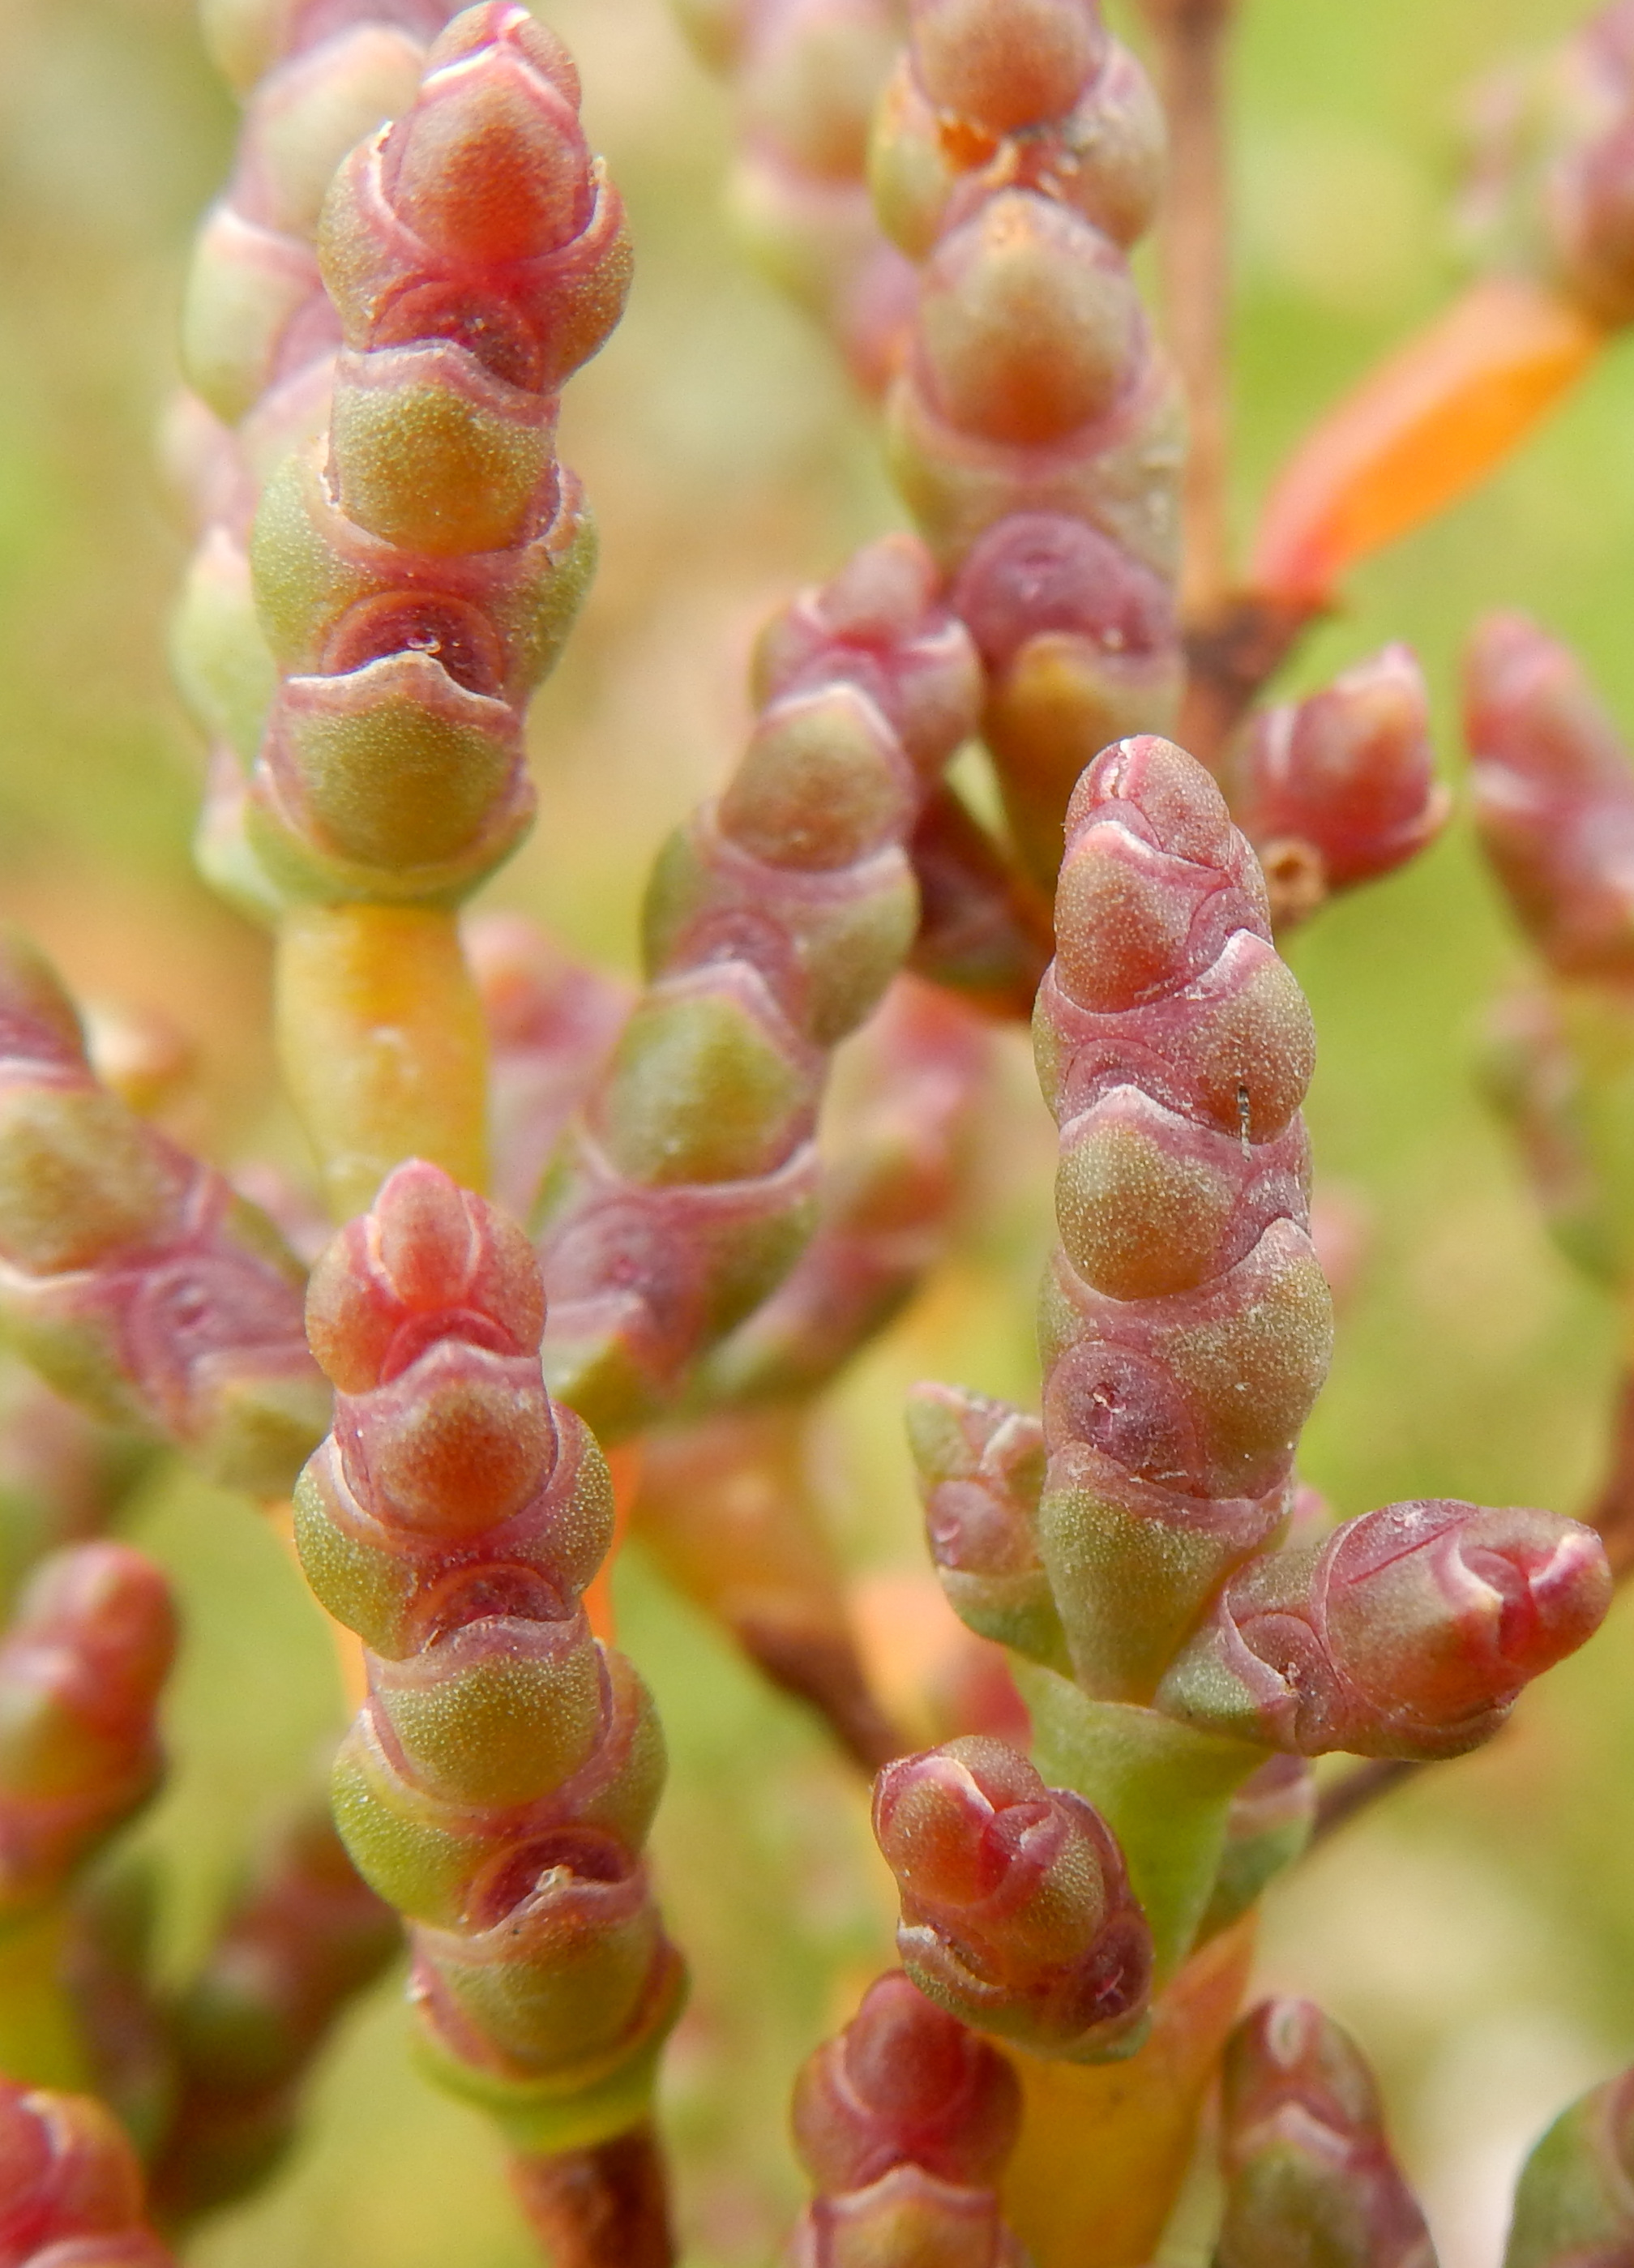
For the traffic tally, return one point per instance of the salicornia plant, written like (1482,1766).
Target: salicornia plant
(634,1239)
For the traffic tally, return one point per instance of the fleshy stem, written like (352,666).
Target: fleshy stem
(1129,1546)
(1194,249)
(775,920)
(1034,432)
(133,1278)
(498,1785)
(415,573)
(727,1503)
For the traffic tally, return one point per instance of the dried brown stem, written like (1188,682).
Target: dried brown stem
(1194,247)
(603,2208)
(826,1672)
(1340,1802)
(1233,653)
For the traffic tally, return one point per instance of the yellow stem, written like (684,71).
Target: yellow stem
(1104,2148)
(40,2042)
(381,1039)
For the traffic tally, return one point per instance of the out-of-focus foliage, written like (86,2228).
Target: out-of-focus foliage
(1477,1934)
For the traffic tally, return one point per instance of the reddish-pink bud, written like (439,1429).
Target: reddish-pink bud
(1007,65)
(904,2124)
(1409,1632)
(1554,798)
(879,624)
(479,217)
(430,1262)
(904,2084)
(1040,571)
(1342,784)
(1308,2169)
(81,1671)
(1017,1913)
(490,164)
(70,2185)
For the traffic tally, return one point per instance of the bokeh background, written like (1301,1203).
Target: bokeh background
(1477,1932)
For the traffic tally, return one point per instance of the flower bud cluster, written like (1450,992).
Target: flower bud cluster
(776,919)
(1340,788)
(1185,1325)
(1017,1913)
(303,1938)
(497,1786)
(416,569)
(259,331)
(1574,2204)
(1186,1322)
(82,1666)
(904,2124)
(1309,2173)
(726,1504)
(1408,1633)
(806,75)
(132,1276)
(70,2186)
(1034,430)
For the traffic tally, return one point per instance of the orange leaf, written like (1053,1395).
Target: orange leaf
(1429,424)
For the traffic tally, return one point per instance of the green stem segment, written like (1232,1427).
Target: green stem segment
(1164,1790)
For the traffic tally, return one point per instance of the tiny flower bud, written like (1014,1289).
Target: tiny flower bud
(1017,1914)
(1574,2202)
(1009,65)
(1308,2169)
(981,1468)
(490,163)
(904,2083)
(904,2124)
(70,2185)
(1341,784)
(1027,322)
(1409,1632)
(1554,798)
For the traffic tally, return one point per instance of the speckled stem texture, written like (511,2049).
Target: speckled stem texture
(498,1785)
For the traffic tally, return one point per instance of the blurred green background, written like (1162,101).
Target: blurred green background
(1478,1931)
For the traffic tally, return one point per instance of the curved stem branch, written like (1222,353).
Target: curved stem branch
(1194,249)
